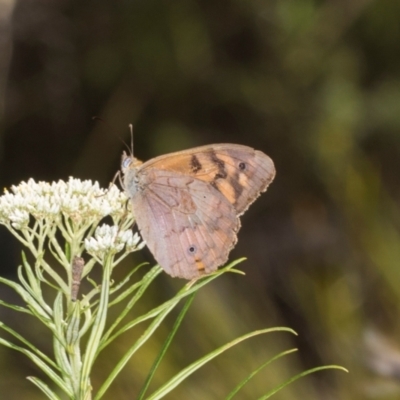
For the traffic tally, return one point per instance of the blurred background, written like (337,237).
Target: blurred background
(313,83)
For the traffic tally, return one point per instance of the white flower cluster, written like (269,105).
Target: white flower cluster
(108,238)
(75,208)
(77,200)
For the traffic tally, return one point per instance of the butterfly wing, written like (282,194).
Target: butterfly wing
(187,224)
(238,172)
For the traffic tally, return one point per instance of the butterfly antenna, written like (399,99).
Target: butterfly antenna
(130,149)
(131,129)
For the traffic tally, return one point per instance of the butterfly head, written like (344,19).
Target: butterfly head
(129,162)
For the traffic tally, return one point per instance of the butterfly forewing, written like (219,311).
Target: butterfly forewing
(239,172)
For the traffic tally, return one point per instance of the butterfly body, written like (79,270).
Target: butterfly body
(187,204)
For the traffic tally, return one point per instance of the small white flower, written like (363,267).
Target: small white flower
(133,243)
(110,239)
(19,218)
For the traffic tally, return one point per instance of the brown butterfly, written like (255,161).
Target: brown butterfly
(187,204)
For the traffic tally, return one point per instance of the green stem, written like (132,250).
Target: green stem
(73,343)
(96,331)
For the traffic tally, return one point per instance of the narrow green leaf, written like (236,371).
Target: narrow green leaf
(33,306)
(67,250)
(18,288)
(126,293)
(63,362)
(29,345)
(139,343)
(128,277)
(15,308)
(54,249)
(146,279)
(58,318)
(255,372)
(43,387)
(74,320)
(60,345)
(88,266)
(42,365)
(73,343)
(177,379)
(294,378)
(39,272)
(33,281)
(93,282)
(89,298)
(188,289)
(87,322)
(145,282)
(36,301)
(164,348)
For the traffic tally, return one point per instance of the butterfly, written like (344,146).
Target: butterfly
(187,204)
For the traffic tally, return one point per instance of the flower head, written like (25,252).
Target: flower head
(75,208)
(76,200)
(110,239)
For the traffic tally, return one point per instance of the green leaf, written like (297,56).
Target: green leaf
(43,387)
(188,289)
(67,250)
(131,289)
(88,266)
(139,343)
(41,364)
(34,307)
(74,320)
(33,286)
(177,379)
(58,319)
(294,378)
(29,345)
(144,284)
(247,379)
(39,273)
(15,308)
(87,322)
(166,345)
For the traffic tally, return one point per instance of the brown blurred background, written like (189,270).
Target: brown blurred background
(314,84)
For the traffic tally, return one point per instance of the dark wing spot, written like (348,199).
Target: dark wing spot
(195,164)
(221,174)
(192,249)
(242,166)
(214,185)
(237,187)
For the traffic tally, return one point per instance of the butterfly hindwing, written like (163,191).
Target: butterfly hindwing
(187,224)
